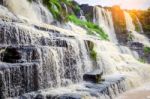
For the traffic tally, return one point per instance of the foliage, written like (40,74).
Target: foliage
(143,16)
(59,10)
(130,36)
(146,50)
(55,8)
(142,60)
(93,54)
(89,26)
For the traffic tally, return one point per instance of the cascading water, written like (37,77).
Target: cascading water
(140,25)
(137,37)
(30,11)
(104,19)
(82,17)
(39,60)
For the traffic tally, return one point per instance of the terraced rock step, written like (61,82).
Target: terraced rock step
(108,89)
(94,76)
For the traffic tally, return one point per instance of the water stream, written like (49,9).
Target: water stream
(53,60)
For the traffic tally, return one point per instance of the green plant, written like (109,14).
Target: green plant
(130,36)
(89,26)
(93,54)
(142,60)
(58,8)
(146,50)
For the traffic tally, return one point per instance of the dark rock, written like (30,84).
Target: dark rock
(119,24)
(88,11)
(11,55)
(70,96)
(94,76)
(2,86)
(136,45)
(1,2)
(24,78)
(90,44)
(39,96)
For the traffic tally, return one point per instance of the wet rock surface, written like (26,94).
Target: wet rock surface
(94,76)
(110,88)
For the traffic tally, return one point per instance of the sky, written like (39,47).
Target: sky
(125,4)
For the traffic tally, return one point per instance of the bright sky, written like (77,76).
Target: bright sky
(127,4)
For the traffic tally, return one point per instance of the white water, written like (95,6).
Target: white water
(137,37)
(61,65)
(140,25)
(104,19)
(33,12)
(82,17)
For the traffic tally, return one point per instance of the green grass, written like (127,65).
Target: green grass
(146,50)
(89,26)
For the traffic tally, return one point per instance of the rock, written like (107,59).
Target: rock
(24,78)
(70,96)
(65,96)
(88,11)
(39,96)
(119,24)
(94,76)
(90,44)
(136,45)
(1,2)
(2,86)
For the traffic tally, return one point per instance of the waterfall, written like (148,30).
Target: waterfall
(104,19)
(43,60)
(33,12)
(140,25)
(82,17)
(137,37)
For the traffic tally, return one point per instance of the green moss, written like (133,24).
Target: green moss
(92,28)
(93,54)
(146,50)
(142,60)
(130,37)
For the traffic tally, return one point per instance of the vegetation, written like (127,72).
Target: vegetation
(91,49)
(66,10)
(93,54)
(60,9)
(147,50)
(144,18)
(89,26)
(130,37)
(142,60)
(57,9)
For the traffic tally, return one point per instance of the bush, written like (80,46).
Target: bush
(89,26)
(146,50)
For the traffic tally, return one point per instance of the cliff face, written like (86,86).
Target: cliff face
(88,11)
(119,24)
(144,18)
(42,61)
